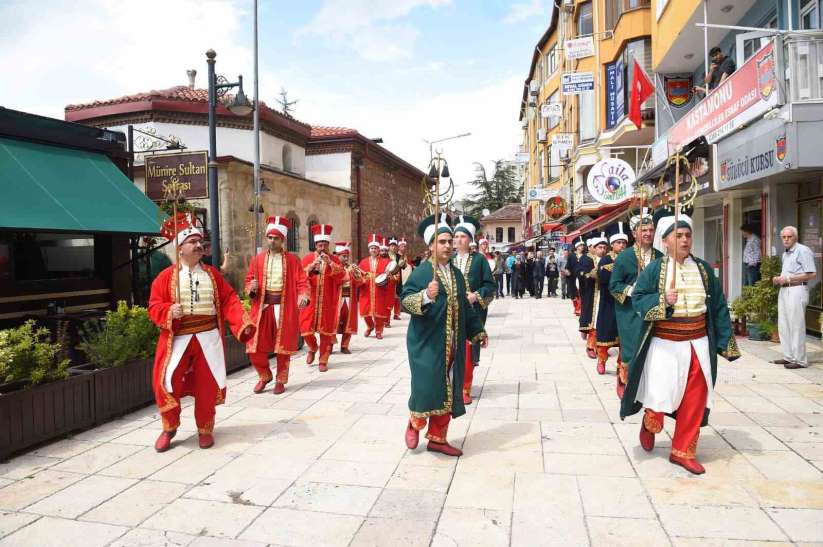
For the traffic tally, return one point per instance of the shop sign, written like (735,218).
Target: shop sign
(611,181)
(579,48)
(575,83)
(540,194)
(741,98)
(751,155)
(562,142)
(184,174)
(556,208)
(551,110)
(615,95)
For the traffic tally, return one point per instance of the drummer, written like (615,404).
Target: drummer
(392,274)
(373,295)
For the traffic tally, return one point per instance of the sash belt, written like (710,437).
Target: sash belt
(681,329)
(271,298)
(192,324)
(346,292)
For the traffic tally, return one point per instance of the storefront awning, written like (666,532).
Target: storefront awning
(48,187)
(600,222)
(549,227)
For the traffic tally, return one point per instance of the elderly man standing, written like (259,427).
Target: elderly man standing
(798,269)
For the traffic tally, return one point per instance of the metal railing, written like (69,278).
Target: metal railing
(803,57)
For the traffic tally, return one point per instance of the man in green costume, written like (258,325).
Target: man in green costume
(481,289)
(442,320)
(686,325)
(627,267)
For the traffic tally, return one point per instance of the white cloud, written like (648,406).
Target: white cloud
(521,12)
(366,26)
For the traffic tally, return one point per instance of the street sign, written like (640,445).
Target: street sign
(611,181)
(551,110)
(575,83)
(563,142)
(579,48)
(184,174)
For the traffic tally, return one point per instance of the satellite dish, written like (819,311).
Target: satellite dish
(486,212)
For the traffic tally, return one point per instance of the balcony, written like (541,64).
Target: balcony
(803,55)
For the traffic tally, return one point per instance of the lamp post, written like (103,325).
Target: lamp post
(218,86)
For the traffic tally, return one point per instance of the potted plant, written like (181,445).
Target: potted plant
(40,399)
(758,302)
(120,350)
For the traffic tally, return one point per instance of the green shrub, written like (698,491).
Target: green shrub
(758,302)
(27,352)
(123,335)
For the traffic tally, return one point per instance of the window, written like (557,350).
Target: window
(554,163)
(540,167)
(498,234)
(539,72)
(752,46)
(511,235)
(619,74)
(554,121)
(308,231)
(551,60)
(293,243)
(41,256)
(585,22)
(586,126)
(809,15)
(287,158)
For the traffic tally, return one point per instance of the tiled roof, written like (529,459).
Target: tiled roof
(320,131)
(512,211)
(176,93)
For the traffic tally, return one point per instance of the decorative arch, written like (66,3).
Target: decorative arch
(309,223)
(293,243)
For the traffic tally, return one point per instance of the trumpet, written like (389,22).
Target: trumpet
(356,272)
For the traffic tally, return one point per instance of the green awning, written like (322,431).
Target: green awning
(44,187)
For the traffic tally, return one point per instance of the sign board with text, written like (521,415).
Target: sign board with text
(551,110)
(575,83)
(742,97)
(541,194)
(611,181)
(184,174)
(562,142)
(579,48)
(761,151)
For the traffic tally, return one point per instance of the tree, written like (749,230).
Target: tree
(286,106)
(492,194)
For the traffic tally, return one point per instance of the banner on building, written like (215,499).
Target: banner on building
(611,181)
(184,174)
(575,83)
(551,110)
(742,97)
(579,48)
(540,194)
(562,142)
(615,92)
(678,90)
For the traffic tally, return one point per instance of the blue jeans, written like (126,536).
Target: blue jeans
(752,274)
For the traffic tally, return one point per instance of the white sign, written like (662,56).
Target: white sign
(579,48)
(522,157)
(562,142)
(611,181)
(575,83)
(551,110)
(541,194)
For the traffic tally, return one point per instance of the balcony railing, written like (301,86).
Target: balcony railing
(803,54)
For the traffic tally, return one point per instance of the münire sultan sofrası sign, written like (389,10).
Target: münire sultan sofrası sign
(183,175)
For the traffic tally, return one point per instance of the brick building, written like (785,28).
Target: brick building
(388,190)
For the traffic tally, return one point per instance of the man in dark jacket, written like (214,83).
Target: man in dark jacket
(538,273)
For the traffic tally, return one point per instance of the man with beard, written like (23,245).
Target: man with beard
(441,328)
(373,297)
(627,267)
(606,325)
(278,288)
(190,302)
(346,307)
(481,287)
(320,316)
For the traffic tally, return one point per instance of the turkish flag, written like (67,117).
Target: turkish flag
(642,89)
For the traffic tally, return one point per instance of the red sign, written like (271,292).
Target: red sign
(742,97)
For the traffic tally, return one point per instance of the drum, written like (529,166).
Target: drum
(381,280)
(391,267)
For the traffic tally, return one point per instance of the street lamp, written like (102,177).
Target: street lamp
(240,105)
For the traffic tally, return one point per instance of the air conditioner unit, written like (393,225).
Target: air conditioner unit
(541,135)
(525,124)
(564,156)
(532,101)
(534,87)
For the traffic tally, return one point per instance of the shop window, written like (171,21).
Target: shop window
(585,21)
(498,235)
(511,235)
(42,256)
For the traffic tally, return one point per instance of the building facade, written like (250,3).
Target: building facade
(503,227)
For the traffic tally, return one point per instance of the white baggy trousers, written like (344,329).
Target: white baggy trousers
(791,322)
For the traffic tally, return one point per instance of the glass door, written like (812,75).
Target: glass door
(809,217)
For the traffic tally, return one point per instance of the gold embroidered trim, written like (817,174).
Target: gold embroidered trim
(413,303)
(658,312)
(608,267)
(732,350)
(651,423)
(479,336)
(207,429)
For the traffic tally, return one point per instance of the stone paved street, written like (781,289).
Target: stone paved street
(548,460)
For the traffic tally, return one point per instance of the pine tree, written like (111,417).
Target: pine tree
(286,106)
(492,194)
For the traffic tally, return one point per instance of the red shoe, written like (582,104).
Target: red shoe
(163,442)
(591,353)
(345,351)
(412,437)
(279,388)
(206,440)
(692,466)
(323,367)
(379,335)
(444,448)
(260,386)
(310,357)
(601,367)
(368,332)
(467,399)
(621,389)
(646,438)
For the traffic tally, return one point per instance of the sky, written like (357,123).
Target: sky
(402,70)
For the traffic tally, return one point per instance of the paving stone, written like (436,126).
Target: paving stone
(800,524)
(9,522)
(57,532)
(721,522)
(206,518)
(329,498)
(302,528)
(470,526)
(100,457)
(628,532)
(133,506)
(139,537)
(80,496)
(380,532)
(403,504)
(27,491)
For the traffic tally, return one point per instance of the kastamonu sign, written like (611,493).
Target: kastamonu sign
(184,174)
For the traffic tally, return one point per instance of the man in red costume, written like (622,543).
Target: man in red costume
(346,309)
(278,288)
(190,301)
(373,298)
(391,284)
(325,278)
(405,267)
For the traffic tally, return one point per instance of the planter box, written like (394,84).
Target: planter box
(37,414)
(119,390)
(236,357)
